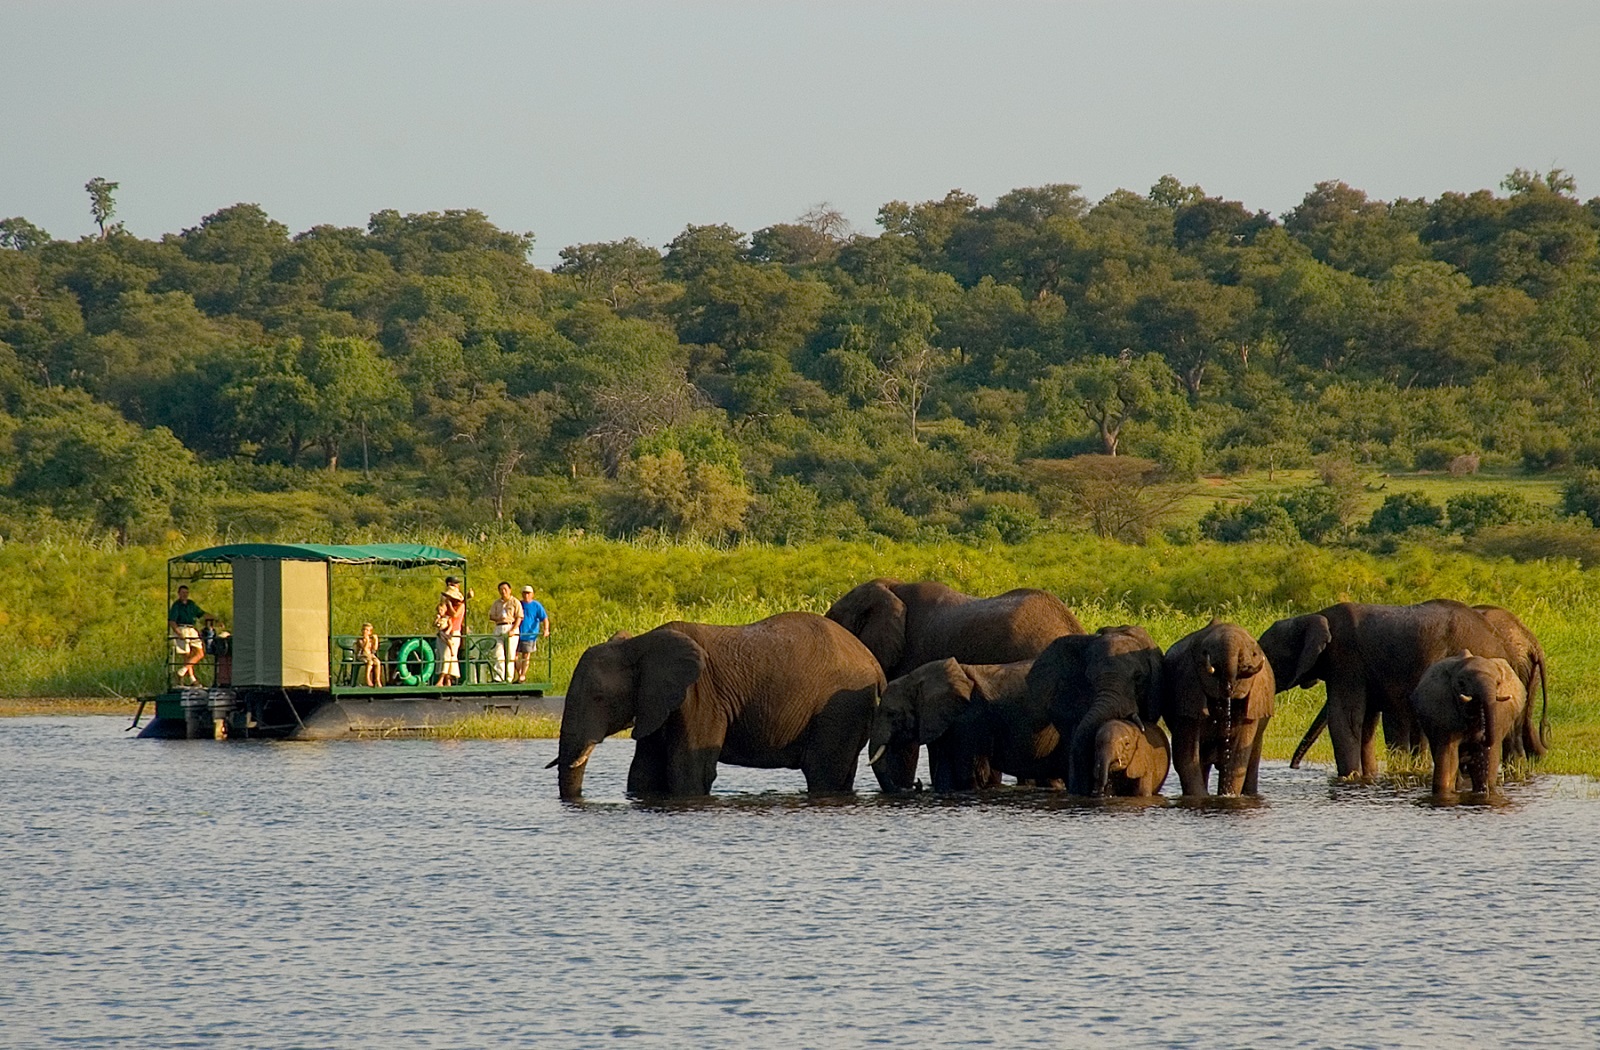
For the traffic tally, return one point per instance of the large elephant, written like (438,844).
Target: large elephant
(1216,697)
(1086,680)
(977,720)
(1526,657)
(1130,759)
(793,691)
(1473,704)
(1371,657)
(907,625)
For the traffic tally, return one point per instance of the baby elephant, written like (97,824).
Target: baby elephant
(1129,759)
(1470,703)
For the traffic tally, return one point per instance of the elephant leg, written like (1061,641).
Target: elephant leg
(1369,745)
(1252,774)
(1346,713)
(1446,759)
(1186,757)
(1231,777)
(897,769)
(945,768)
(692,771)
(1400,729)
(647,775)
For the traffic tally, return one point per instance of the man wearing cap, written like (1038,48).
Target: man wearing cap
(505,613)
(535,622)
(448,617)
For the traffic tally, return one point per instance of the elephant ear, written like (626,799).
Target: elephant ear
(1154,686)
(1062,669)
(876,615)
(942,696)
(666,664)
(1317,634)
(1263,689)
(1182,688)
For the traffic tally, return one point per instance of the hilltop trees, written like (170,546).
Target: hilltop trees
(804,379)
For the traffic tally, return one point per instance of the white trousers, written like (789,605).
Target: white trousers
(505,652)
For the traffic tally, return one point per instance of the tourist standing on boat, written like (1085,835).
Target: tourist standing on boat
(535,622)
(186,643)
(447,620)
(505,613)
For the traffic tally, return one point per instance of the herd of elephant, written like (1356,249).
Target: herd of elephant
(1014,685)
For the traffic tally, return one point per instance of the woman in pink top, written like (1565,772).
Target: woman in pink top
(447,620)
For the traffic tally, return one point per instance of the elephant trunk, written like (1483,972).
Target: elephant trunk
(1109,702)
(1226,784)
(569,773)
(1491,746)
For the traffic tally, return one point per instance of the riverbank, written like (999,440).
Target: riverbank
(85,620)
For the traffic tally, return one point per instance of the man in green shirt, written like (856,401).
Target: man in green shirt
(186,643)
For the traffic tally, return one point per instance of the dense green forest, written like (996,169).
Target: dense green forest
(977,371)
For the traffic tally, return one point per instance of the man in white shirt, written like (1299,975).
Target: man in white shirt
(505,614)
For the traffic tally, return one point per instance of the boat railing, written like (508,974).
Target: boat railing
(401,661)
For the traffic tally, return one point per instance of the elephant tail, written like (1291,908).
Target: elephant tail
(1540,741)
(1317,725)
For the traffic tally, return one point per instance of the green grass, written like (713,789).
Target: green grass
(88,621)
(497,725)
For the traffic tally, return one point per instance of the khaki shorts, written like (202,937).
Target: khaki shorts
(186,641)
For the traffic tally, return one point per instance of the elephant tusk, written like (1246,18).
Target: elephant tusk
(1465,699)
(872,759)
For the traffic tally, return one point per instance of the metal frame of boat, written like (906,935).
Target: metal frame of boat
(283,673)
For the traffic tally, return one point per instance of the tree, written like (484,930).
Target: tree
(619,273)
(102,205)
(1115,496)
(84,460)
(490,437)
(18,234)
(1112,391)
(686,498)
(357,391)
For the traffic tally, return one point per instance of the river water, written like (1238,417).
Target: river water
(422,893)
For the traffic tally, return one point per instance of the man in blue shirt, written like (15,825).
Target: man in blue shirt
(535,624)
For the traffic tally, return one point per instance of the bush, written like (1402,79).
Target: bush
(1582,496)
(1403,512)
(1263,521)
(1471,512)
(1546,450)
(1011,517)
(1435,455)
(787,512)
(1554,539)
(1315,510)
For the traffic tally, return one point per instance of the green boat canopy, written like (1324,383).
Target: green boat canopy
(406,555)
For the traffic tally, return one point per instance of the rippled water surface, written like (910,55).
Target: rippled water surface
(389,893)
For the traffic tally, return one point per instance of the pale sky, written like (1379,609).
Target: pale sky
(592,121)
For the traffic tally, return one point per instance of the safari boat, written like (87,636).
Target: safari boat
(284,656)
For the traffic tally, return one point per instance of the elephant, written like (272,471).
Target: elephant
(1468,702)
(1130,759)
(1084,680)
(1371,657)
(1217,697)
(1526,657)
(793,691)
(977,720)
(907,625)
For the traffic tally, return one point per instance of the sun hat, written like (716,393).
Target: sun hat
(527,588)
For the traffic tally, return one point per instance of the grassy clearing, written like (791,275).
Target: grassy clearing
(86,620)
